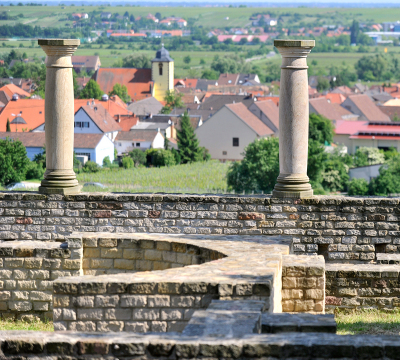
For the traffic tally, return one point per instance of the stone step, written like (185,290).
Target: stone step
(382,258)
(302,322)
(226,319)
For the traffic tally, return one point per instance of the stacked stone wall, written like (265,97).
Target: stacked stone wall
(27,272)
(341,229)
(362,286)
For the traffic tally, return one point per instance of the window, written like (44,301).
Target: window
(160,72)
(137,144)
(119,144)
(224,153)
(83,154)
(85,124)
(81,124)
(77,124)
(235,141)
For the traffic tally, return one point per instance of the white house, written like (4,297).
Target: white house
(95,146)
(93,119)
(139,139)
(230,130)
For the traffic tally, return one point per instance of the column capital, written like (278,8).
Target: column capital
(59,51)
(294,43)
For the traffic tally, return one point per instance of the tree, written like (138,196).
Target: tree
(173,100)
(91,167)
(91,91)
(106,162)
(372,67)
(127,162)
(14,161)
(158,15)
(121,91)
(388,180)
(259,168)
(76,85)
(136,61)
(187,59)
(368,156)
(209,74)
(188,144)
(8,127)
(354,30)
(202,62)
(321,129)
(138,157)
(358,187)
(160,157)
(323,84)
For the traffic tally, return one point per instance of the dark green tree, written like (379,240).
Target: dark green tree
(138,156)
(91,91)
(136,61)
(259,168)
(358,187)
(8,127)
(323,84)
(354,30)
(188,144)
(14,161)
(187,59)
(388,180)
(173,100)
(121,91)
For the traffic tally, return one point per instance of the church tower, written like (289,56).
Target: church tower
(162,73)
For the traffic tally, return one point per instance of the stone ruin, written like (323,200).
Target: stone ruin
(177,276)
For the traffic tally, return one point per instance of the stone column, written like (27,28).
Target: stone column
(293,181)
(59,177)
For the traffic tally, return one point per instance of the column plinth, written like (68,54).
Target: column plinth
(59,177)
(293,181)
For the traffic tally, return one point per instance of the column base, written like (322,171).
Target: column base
(60,191)
(62,182)
(293,186)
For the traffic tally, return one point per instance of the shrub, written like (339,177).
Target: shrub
(127,162)
(91,167)
(358,187)
(34,171)
(14,161)
(160,157)
(106,162)
(138,156)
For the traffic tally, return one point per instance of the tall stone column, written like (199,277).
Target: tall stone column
(59,177)
(293,181)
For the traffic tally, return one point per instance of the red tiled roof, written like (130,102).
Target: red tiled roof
(331,111)
(11,89)
(335,98)
(368,108)
(270,110)
(137,81)
(126,122)
(115,108)
(101,118)
(31,110)
(228,79)
(274,99)
(240,110)
(189,83)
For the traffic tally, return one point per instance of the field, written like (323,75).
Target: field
(199,178)
(55,16)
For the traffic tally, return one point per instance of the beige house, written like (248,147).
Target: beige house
(230,130)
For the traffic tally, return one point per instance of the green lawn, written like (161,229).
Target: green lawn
(373,322)
(190,178)
(22,325)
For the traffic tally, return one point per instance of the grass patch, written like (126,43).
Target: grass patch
(372,322)
(202,177)
(23,325)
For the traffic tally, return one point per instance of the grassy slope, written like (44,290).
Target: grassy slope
(190,178)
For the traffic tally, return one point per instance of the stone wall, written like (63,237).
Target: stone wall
(303,283)
(27,272)
(362,286)
(341,229)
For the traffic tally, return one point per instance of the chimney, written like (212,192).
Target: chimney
(88,103)
(118,118)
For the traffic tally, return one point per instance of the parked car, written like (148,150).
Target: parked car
(18,185)
(97,184)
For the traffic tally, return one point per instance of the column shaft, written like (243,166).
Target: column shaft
(59,177)
(293,181)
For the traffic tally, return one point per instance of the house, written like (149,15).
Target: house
(378,134)
(87,63)
(113,104)
(345,90)
(95,119)
(217,101)
(126,122)
(392,111)
(152,17)
(268,113)
(140,139)
(11,89)
(230,130)
(364,107)
(95,146)
(165,128)
(28,113)
(228,79)
(146,106)
(203,84)
(140,83)
(186,83)
(335,98)
(92,118)
(245,79)
(105,15)
(332,111)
